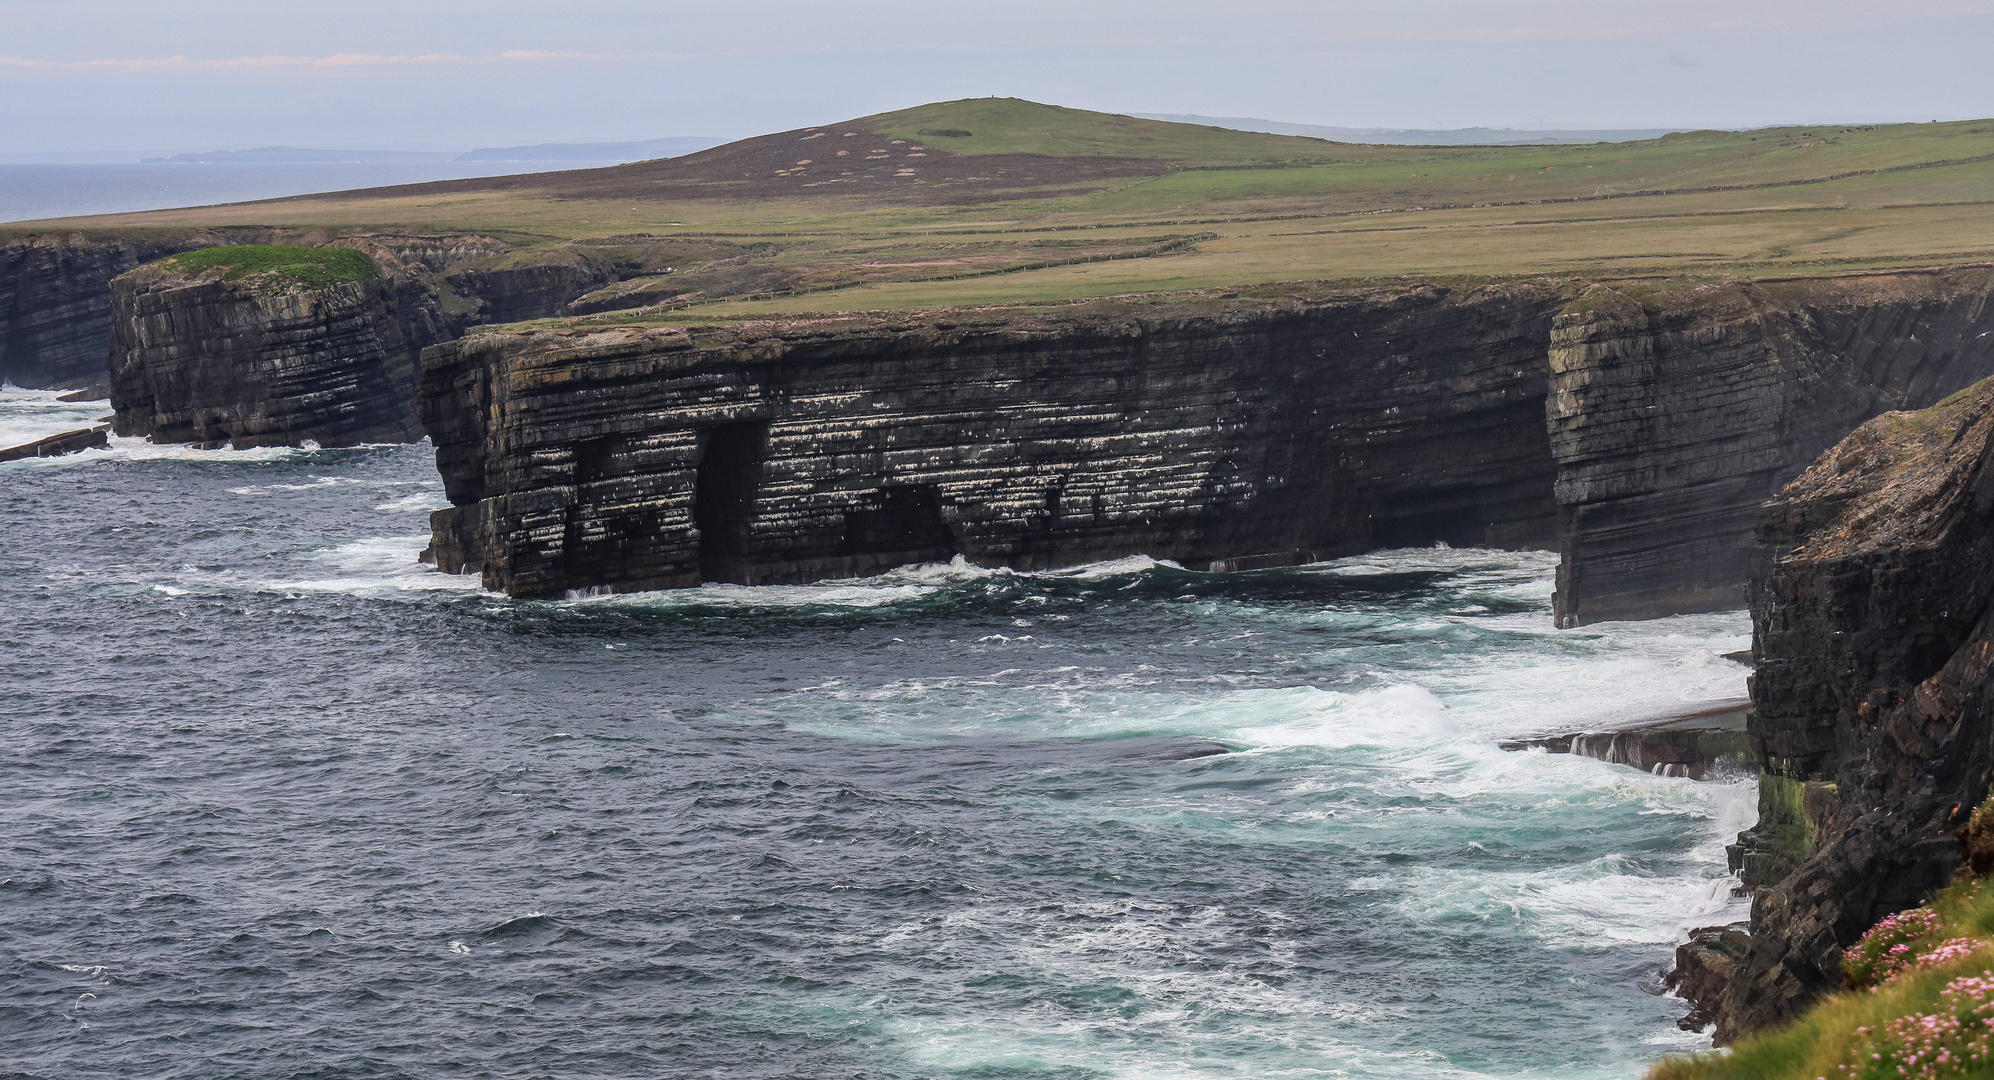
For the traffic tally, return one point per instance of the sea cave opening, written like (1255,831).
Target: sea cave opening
(724,498)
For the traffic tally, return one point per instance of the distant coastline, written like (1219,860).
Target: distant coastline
(33,192)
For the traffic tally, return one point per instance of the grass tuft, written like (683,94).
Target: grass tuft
(316,265)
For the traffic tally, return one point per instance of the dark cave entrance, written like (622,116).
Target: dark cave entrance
(1509,516)
(900,524)
(724,498)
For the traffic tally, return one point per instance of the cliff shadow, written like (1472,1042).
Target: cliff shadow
(723,508)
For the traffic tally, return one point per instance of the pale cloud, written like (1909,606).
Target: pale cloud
(171,64)
(1615,20)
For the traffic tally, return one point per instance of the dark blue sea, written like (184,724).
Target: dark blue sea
(28,192)
(276,800)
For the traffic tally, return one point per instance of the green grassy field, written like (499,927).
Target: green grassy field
(902,218)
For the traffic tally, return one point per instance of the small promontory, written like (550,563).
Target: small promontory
(264,345)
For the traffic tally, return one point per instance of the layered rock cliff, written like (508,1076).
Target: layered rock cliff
(200,355)
(1226,436)
(1673,414)
(55,300)
(1873,619)
(56,303)
(1630,425)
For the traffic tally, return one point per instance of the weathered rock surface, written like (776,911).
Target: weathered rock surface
(1703,967)
(55,300)
(56,303)
(1634,432)
(267,360)
(1673,416)
(1875,637)
(1264,435)
(1690,746)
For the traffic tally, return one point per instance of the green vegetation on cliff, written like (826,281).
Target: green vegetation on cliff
(1919,1002)
(310,264)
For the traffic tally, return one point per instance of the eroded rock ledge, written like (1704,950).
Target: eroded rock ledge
(1632,425)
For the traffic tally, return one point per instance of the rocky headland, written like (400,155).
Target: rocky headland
(1874,636)
(207,349)
(1633,426)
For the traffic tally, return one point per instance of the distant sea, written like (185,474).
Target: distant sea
(29,192)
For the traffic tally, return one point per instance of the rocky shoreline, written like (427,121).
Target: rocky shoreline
(68,442)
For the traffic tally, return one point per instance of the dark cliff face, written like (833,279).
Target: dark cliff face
(1636,435)
(1254,436)
(264,361)
(1874,636)
(55,301)
(537,289)
(56,304)
(1674,417)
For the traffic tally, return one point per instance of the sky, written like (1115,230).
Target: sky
(86,75)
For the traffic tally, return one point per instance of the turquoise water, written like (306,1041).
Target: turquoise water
(277,800)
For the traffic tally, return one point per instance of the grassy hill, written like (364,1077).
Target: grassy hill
(999,200)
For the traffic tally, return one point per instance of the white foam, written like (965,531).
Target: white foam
(28,415)
(711,594)
(422,502)
(380,566)
(136,449)
(314,482)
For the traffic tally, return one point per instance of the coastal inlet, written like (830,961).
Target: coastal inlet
(279,800)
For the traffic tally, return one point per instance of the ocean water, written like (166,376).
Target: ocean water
(29,192)
(278,801)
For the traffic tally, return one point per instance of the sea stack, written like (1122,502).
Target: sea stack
(263,345)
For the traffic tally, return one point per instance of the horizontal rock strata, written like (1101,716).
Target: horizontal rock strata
(1674,415)
(55,300)
(644,459)
(269,360)
(1874,635)
(1633,429)
(1690,747)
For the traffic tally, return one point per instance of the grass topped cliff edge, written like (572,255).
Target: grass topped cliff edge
(997,200)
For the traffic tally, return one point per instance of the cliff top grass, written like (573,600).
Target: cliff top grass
(885,209)
(1920,1004)
(316,265)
